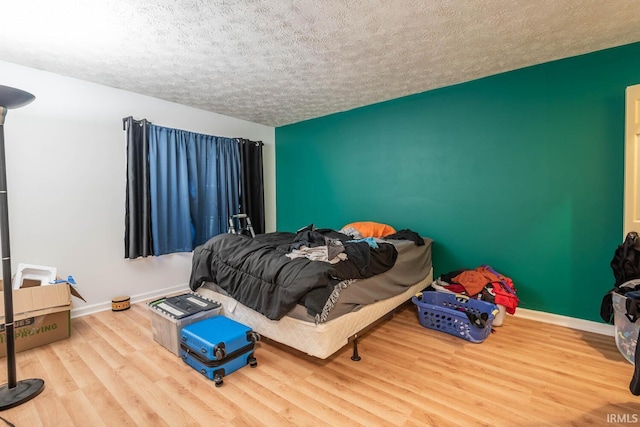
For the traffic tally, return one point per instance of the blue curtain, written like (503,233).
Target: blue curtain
(214,185)
(194,186)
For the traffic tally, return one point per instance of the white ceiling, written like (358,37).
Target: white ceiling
(277,62)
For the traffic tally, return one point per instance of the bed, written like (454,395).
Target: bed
(293,289)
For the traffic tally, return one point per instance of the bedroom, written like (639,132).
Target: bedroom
(567,113)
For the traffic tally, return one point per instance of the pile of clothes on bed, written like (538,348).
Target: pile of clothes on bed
(482,283)
(273,272)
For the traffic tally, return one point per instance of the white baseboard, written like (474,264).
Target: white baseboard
(540,316)
(569,322)
(104,306)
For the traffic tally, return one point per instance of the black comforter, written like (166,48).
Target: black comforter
(257,272)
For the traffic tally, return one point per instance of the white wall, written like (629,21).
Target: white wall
(66,160)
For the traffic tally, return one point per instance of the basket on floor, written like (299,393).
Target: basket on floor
(626,327)
(455,314)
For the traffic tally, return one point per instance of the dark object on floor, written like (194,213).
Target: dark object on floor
(634,386)
(625,265)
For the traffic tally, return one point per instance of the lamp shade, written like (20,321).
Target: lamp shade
(14,98)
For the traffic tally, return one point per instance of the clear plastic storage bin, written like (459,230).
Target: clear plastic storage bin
(170,314)
(626,332)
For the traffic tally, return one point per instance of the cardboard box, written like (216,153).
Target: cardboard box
(42,314)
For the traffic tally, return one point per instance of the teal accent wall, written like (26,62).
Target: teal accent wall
(521,170)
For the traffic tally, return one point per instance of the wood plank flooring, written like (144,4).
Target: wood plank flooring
(110,372)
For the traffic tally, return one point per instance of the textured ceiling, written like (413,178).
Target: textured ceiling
(277,62)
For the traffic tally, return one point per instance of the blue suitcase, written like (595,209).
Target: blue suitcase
(218,346)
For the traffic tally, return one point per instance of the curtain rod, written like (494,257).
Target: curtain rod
(145,121)
(124,121)
(257,143)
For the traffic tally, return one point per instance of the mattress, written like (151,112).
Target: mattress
(320,340)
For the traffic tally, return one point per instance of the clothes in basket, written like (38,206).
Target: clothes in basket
(456,314)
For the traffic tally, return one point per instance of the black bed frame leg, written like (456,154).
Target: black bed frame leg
(355,357)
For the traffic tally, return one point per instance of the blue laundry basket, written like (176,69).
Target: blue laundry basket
(456,314)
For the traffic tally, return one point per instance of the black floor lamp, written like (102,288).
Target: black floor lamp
(13,393)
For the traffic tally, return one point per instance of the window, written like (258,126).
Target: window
(183,186)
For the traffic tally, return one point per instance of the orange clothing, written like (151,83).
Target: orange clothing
(475,280)
(472,280)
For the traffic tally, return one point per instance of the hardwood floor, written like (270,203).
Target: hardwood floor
(110,372)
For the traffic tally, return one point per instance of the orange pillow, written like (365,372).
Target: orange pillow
(371,229)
